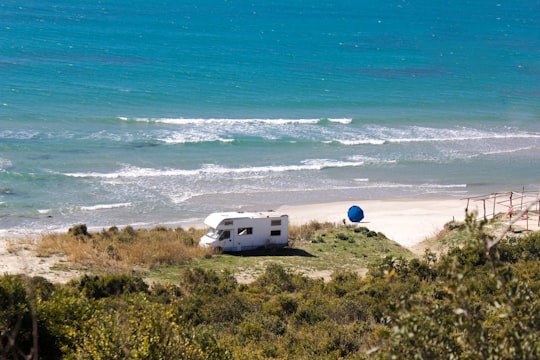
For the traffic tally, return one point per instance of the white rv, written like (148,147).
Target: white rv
(239,231)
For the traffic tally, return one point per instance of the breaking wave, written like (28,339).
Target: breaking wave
(225,121)
(209,169)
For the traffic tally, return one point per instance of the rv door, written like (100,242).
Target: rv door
(225,236)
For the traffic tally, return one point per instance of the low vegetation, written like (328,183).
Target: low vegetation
(161,254)
(477,300)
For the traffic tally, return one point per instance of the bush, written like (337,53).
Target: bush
(198,281)
(281,305)
(480,308)
(60,321)
(144,330)
(343,282)
(98,287)
(312,311)
(16,320)
(368,233)
(520,249)
(127,235)
(79,231)
(277,279)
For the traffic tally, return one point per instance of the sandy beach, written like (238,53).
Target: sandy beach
(407,222)
(18,256)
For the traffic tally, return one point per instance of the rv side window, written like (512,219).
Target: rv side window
(245,231)
(275,233)
(275,222)
(227,222)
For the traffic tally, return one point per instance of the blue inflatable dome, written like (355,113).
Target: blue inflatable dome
(355,214)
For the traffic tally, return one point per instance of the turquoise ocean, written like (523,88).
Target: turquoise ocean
(118,112)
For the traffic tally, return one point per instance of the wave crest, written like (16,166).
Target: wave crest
(231,121)
(211,169)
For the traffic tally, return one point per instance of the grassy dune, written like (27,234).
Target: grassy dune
(316,249)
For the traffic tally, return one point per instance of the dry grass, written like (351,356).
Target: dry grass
(125,249)
(15,245)
(307,231)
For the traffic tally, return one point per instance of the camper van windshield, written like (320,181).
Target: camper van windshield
(213,233)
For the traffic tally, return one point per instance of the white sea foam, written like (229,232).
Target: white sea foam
(179,198)
(18,135)
(135,172)
(378,135)
(225,121)
(5,163)
(104,206)
(365,184)
(443,186)
(319,164)
(341,121)
(182,138)
(369,160)
(104,135)
(463,138)
(359,141)
(422,134)
(508,151)
(199,130)
(414,186)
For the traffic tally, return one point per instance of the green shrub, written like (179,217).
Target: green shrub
(274,280)
(101,286)
(250,331)
(224,310)
(127,235)
(186,237)
(142,329)
(16,321)
(343,282)
(165,293)
(60,321)
(79,231)
(515,249)
(281,305)
(199,281)
(312,311)
(482,307)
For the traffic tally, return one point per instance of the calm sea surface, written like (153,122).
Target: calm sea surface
(138,112)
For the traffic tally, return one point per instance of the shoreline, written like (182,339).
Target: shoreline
(406,221)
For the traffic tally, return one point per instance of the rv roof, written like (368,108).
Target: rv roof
(214,219)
